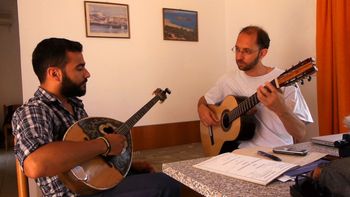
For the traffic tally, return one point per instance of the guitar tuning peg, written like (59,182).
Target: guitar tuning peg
(302,82)
(309,78)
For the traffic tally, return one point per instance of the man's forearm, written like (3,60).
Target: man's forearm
(294,126)
(57,157)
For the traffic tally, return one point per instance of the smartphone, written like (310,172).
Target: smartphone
(290,151)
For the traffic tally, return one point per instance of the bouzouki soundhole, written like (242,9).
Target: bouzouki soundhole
(106,128)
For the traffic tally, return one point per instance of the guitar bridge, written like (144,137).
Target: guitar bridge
(79,173)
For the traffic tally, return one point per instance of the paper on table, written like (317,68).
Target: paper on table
(252,169)
(298,160)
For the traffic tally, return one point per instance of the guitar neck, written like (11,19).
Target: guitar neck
(246,105)
(243,107)
(124,128)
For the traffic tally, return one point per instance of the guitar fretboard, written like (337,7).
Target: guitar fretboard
(246,105)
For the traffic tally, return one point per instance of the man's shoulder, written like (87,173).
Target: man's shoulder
(32,106)
(36,104)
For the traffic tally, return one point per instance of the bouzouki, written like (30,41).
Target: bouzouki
(235,123)
(103,173)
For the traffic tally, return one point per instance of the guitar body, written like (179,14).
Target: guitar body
(100,173)
(223,138)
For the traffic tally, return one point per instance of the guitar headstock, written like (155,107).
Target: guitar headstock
(297,72)
(161,94)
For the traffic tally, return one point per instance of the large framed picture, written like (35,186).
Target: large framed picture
(109,20)
(180,25)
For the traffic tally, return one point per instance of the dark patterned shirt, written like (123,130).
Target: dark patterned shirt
(42,120)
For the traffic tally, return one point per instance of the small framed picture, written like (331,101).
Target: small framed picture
(180,25)
(109,20)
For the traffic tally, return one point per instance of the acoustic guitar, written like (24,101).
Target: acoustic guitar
(103,173)
(235,123)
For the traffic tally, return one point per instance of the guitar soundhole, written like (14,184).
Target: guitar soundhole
(225,121)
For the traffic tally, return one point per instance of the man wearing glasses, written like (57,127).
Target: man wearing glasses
(281,114)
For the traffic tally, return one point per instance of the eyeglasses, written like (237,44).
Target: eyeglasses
(244,51)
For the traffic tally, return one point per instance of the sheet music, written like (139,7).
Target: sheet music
(252,169)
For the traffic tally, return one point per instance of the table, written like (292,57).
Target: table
(213,184)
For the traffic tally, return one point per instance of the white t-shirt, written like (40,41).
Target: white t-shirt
(269,131)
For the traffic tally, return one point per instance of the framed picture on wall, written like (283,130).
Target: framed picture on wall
(180,25)
(109,20)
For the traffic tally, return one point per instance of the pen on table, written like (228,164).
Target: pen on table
(265,154)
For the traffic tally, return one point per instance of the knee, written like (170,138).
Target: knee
(169,186)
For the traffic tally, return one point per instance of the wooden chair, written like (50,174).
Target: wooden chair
(22,182)
(6,127)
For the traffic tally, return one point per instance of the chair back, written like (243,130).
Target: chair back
(8,112)
(6,127)
(22,182)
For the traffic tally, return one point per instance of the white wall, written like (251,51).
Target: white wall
(125,71)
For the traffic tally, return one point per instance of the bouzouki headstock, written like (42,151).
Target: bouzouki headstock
(297,72)
(161,94)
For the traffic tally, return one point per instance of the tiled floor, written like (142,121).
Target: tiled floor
(170,154)
(8,184)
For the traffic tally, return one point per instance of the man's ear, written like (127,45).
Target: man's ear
(263,52)
(54,73)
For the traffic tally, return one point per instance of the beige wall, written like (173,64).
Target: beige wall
(126,71)
(10,70)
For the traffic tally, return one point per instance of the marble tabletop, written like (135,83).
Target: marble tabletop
(213,184)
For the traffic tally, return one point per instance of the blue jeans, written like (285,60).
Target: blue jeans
(144,185)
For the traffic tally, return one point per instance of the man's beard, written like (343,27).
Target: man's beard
(70,89)
(249,66)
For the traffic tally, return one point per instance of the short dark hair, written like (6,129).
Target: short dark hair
(52,52)
(263,39)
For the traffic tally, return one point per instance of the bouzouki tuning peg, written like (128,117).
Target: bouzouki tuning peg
(167,90)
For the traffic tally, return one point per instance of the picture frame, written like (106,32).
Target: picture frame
(180,25)
(108,20)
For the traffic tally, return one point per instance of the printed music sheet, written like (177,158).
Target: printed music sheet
(252,169)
